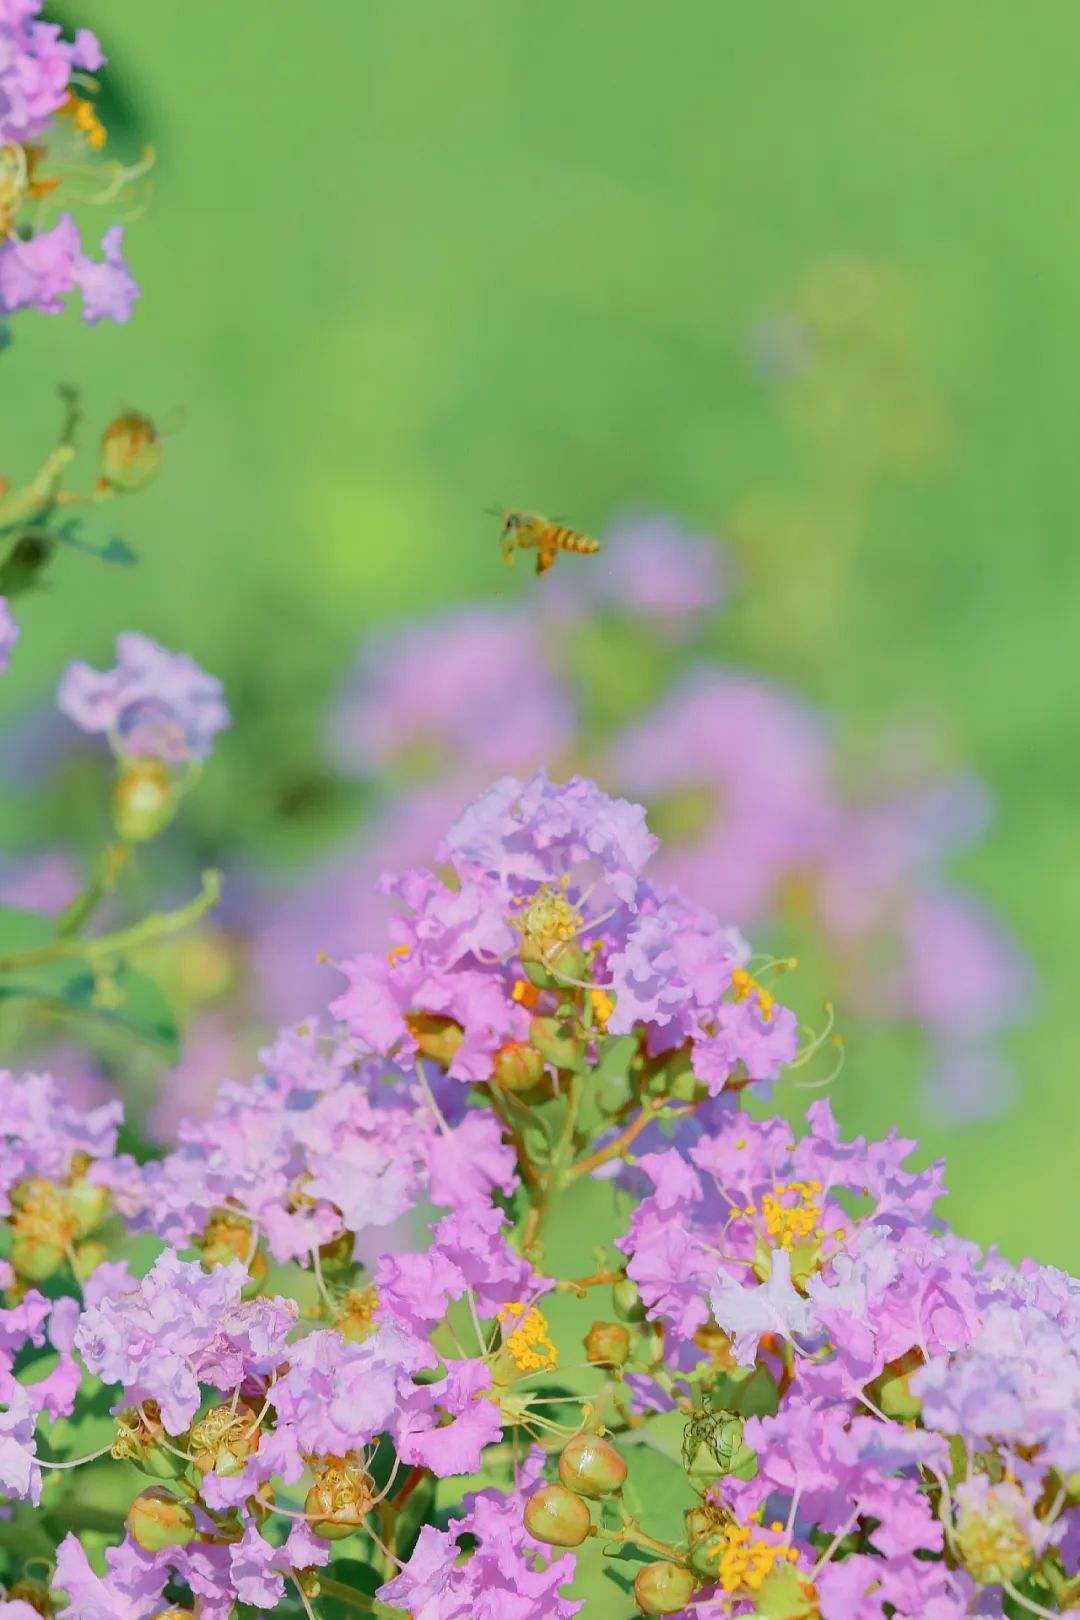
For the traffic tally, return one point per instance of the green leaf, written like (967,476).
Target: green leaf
(133,1002)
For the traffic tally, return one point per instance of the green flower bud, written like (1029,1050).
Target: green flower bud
(518,1066)
(590,1465)
(607,1344)
(130,452)
(435,1036)
(141,1440)
(663,1588)
(144,800)
(88,1205)
(551,965)
(557,1517)
(157,1520)
(627,1300)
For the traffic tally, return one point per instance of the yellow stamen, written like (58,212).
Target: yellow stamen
(529,1341)
(789,1223)
(602,1006)
(744,985)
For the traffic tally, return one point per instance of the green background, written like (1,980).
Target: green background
(407,259)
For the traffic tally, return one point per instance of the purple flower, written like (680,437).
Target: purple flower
(471,688)
(35,67)
(772,1307)
(154,703)
(131,1589)
(9,633)
(499,1579)
(652,568)
(40,1133)
(109,290)
(40,271)
(180,1327)
(743,768)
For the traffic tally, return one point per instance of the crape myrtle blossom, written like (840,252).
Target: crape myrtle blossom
(850,1410)
(36,63)
(545,873)
(318,1149)
(471,687)
(154,704)
(42,270)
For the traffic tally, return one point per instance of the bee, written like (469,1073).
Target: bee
(528,531)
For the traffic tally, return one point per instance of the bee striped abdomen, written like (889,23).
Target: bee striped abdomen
(557,537)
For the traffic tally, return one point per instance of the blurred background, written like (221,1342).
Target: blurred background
(782,308)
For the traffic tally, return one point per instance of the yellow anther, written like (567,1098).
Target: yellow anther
(744,985)
(398,953)
(524,992)
(787,1223)
(529,1340)
(745,1561)
(602,1006)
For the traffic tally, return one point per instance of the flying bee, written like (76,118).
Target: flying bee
(528,531)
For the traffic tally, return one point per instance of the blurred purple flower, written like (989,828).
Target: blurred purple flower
(154,703)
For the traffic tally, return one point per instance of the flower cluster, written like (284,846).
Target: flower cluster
(744,781)
(41,115)
(349,1307)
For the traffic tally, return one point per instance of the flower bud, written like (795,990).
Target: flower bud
(607,1344)
(554,1040)
(663,1588)
(337,1255)
(130,452)
(627,1300)
(34,1593)
(228,1236)
(557,1517)
(340,1499)
(518,1066)
(42,1229)
(550,965)
(590,1465)
(141,1440)
(88,1205)
(86,1257)
(144,800)
(436,1037)
(156,1520)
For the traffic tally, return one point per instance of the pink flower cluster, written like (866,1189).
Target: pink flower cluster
(40,267)
(744,780)
(857,1414)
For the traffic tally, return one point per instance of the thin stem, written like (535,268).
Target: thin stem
(345,1594)
(77,1462)
(617,1147)
(308,1610)
(153,926)
(74,918)
(1029,1603)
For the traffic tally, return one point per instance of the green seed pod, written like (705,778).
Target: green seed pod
(156,1520)
(607,1344)
(518,1066)
(557,1517)
(627,1300)
(663,1588)
(130,452)
(590,1465)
